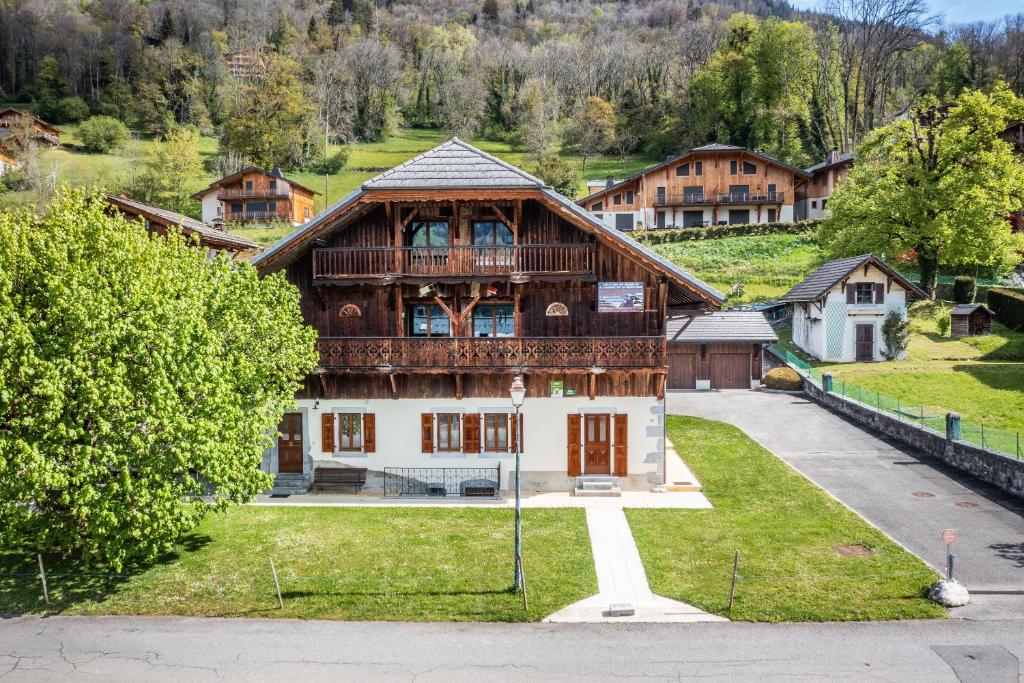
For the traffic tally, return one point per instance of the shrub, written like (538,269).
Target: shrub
(964,289)
(944,322)
(719,231)
(895,334)
(103,134)
(14,180)
(334,163)
(784,378)
(560,174)
(1008,305)
(72,109)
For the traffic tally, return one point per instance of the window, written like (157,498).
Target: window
(306,212)
(429,234)
(248,186)
(428,320)
(739,193)
(749,168)
(771,215)
(739,216)
(624,221)
(272,207)
(771,192)
(661,194)
(495,432)
(494,320)
(629,196)
(698,168)
(599,216)
(256,206)
(236,207)
(823,204)
(693,193)
(449,432)
(864,293)
(220,210)
(350,431)
(492,233)
(597,207)
(273,185)
(814,203)
(660,221)
(683,169)
(732,167)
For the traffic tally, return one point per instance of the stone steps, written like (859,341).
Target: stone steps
(291,484)
(597,486)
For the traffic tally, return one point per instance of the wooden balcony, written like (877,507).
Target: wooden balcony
(258,216)
(257,193)
(458,260)
(719,198)
(444,354)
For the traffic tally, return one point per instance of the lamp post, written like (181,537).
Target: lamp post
(518,392)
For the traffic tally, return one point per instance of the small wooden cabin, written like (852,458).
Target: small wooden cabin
(44,132)
(971,319)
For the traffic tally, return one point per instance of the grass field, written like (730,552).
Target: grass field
(338,563)
(787,531)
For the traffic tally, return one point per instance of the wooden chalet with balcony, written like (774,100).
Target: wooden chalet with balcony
(813,195)
(43,132)
(159,220)
(437,282)
(253,195)
(710,185)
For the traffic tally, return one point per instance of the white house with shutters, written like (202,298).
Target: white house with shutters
(839,309)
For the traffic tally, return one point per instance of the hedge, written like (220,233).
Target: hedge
(1008,305)
(964,289)
(783,378)
(719,231)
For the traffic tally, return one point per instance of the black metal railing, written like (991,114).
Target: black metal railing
(473,482)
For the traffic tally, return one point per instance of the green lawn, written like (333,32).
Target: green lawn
(786,530)
(766,265)
(425,564)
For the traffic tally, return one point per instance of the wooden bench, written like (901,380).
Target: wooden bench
(334,478)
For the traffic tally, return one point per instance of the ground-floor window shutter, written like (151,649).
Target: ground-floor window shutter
(327,432)
(574,446)
(369,433)
(621,436)
(427,432)
(471,433)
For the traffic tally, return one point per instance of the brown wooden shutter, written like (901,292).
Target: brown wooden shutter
(427,432)
(851,293)
(621,445)
(327,432)
(471,433)
(369,433)
(515,431)
(573,451)
(879,293)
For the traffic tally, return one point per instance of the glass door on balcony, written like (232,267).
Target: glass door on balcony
(430,239)
(427,320)
(492,242)
(739,194)
(494,320)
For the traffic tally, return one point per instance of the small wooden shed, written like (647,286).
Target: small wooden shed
(970,319)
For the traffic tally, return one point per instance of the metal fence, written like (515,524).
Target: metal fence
(992,438)
(442,481)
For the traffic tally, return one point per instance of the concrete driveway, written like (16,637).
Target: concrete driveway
(911,497)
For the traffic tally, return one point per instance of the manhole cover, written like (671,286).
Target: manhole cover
(922,494)
(853,550)
(965,505)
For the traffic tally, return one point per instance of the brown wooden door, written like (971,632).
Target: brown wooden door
(682,370)
(289,444)
(865,342)
(597,444)
(729,370)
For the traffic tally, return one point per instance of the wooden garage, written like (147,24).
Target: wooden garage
(716,350)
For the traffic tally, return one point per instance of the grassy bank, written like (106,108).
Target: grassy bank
(788,533)
(337,563)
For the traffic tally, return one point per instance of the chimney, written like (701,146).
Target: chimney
(832,156)
(609,181)
(670,157)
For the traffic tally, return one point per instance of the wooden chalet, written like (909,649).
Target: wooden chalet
(710,185)
(44,132)
(813,195)
(159,220)
(437,282)
(253,195)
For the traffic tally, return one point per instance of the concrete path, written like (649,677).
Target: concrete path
(911,497)
(115,649)
(621,579)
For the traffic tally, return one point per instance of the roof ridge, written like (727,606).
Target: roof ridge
(451,142)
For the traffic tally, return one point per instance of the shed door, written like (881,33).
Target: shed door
(682,370)
(865,342)
(729,370)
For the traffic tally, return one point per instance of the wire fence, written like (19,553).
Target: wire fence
(992,438)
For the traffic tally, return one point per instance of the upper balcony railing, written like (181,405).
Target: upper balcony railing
(695,199)
(257,216)
(456,260)
(384,353)
(256,193)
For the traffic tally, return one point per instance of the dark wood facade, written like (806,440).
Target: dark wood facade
(722,365)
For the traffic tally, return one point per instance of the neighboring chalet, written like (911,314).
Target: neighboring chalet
(159,220)
(710,185)
(839,308)
(812,196)
(437,282)
(45,132)
(6,163)
(253,195)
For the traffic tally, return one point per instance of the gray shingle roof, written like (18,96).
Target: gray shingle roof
(843,158)
(724,326)
(818,283)
(453,164)
(188,225)
(716,147)
(967,309)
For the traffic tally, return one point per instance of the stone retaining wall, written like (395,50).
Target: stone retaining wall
(1003,471)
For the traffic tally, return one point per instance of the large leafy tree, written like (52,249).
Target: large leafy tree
(172,168)
(940,182)
(140,381)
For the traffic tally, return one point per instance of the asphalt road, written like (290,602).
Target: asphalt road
(911,497)
(158,649)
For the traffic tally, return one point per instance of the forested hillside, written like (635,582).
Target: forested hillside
(276,80)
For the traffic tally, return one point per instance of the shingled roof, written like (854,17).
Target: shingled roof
(188,225)
(724,326)
(818,283)
(452,164)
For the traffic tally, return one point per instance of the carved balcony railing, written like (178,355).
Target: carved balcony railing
(470,353)
(456,260)
(257,216)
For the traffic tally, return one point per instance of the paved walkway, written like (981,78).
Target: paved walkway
(621,579)
(631,499)
(911,497)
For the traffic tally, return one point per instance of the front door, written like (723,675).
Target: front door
(865,342)
(597,444)
(289,444)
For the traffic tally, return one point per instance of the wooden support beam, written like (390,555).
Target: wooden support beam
(458,386)
(323,384)
(394,386)
(593,386)
(659,381)
(399,312)
(408,219)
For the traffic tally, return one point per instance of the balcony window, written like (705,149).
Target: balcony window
(253,207)
(693,193)
(428,320)
(732,167)
(492,234)
(494,320)
(429,234)
(273,186)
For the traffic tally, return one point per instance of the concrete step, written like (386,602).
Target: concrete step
(291,484)
(596,486)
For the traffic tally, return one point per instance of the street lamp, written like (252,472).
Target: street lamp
(518,392)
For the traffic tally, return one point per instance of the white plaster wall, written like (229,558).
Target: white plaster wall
(609,217)
(210,203)
(808,332)
(867,314)
(544,428)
